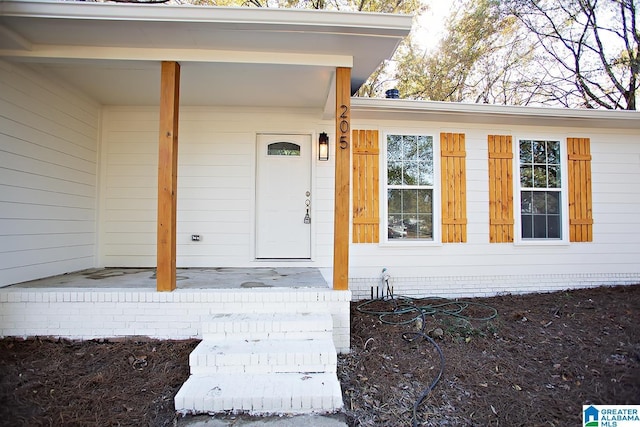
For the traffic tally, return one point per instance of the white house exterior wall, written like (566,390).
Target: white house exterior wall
(51,138)
(478,267)
(48,164)
(216,199)
(216,185)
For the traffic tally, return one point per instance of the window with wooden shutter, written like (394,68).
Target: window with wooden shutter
(580,211)
(454,187)
(501,226)
(366,216)
(409,187)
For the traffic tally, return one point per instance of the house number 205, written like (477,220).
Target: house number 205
(344,127)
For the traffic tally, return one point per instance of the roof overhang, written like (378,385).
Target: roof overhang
(228,56)
(433,111)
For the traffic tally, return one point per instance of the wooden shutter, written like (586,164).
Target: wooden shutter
(500,189)
(366,211)
(454,187)
(580,211)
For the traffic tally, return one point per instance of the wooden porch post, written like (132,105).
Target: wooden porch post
(167,176)
(343,173)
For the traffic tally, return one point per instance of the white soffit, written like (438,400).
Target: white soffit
(124,42)
(453,112)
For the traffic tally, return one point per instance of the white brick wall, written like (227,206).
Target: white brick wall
(93,313)
(475,286)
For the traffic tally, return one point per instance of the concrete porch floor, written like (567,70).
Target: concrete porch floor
(186,278)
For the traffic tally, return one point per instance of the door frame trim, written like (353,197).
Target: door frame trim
(313,135)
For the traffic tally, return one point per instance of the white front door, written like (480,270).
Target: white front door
(283,197)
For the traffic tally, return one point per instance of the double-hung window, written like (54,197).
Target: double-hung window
(541,197)
(410,187)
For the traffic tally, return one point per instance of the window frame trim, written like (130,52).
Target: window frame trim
(436,196)
(564,191)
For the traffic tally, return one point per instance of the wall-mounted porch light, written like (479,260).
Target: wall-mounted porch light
(323,147)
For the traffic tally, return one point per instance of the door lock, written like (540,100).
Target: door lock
(307,218)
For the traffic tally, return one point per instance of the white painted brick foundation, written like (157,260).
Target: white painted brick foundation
(483,286)
(83,313)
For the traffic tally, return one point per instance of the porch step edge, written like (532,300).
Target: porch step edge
(264,356)
(254,326)
(295,393)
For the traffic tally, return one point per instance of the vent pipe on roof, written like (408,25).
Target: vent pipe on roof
(392,93)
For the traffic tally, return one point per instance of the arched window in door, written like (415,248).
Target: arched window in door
(283,149)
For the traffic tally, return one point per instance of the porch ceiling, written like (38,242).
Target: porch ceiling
(229,56)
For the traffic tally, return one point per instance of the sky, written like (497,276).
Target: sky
(429,27)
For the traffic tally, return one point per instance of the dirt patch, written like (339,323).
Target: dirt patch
(536,363)
(91,383)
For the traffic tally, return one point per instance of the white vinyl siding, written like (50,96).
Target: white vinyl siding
(481,268)
(216,186)
(48,157)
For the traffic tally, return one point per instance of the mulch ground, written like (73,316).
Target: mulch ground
(534,364)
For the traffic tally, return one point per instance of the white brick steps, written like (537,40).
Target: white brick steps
(263,363)
(261,393)
(263,357)
(255,326)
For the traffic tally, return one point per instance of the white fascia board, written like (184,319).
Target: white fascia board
(375,24)
(180,55)
(402,109)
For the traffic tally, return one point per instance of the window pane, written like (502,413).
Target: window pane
(539,202)
(425,148)
(425,227)
(526,176)
(394,173)
(394,148)
(554,176)
(410,147)
(409,201)
(553,227)
(539,176)
(395,227)
(425,157)
(553,152)
(394,201)
(283,149)
(539,227)
(410,222)
(539,152)
(525,152)
(425,201)
(527,226)
(426,175)
(526,202)
(553,202)
(410,175)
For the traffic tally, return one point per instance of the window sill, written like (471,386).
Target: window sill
(542,242)
(409,244)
